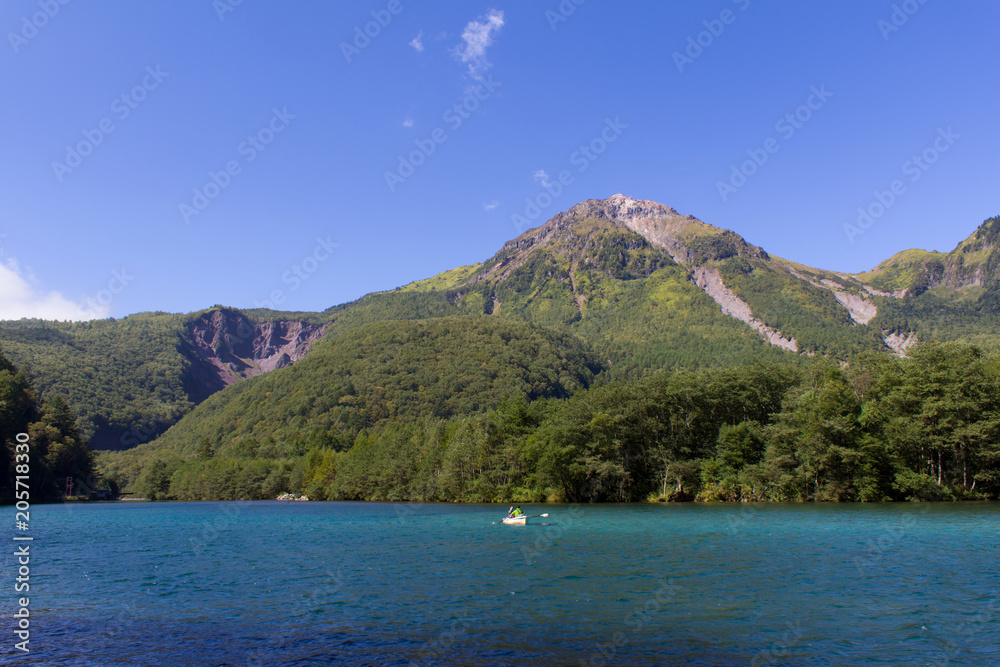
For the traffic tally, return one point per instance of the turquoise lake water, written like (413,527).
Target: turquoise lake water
(271,583)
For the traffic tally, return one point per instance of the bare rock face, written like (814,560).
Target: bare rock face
(710,281)
(974,261)
(862,310)
(900,343)
(226,346)
(898,294)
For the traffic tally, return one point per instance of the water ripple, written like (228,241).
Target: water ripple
(344,583)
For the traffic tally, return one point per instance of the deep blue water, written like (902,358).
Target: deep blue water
(270,583)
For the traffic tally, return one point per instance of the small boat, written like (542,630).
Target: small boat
(521,520)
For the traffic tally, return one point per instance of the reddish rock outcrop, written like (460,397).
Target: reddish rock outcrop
(226,346)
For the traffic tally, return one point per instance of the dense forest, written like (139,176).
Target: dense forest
(926,427)
(387,371)
(56,449)
(119,375)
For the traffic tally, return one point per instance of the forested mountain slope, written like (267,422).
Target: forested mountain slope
(396,371)
(641,286)
(883,428)
(131,379)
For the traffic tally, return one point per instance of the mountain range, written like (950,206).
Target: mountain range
(609,289)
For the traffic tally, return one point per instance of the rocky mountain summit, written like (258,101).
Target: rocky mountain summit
(645,236)
(685,238)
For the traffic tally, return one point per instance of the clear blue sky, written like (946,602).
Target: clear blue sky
(201,78)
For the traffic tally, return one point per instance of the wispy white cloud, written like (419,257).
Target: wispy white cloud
(408,122)
(542,178)
(19,298)
(417,42)
(490,205)
(475,39)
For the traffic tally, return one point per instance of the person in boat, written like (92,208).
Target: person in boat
(516,512)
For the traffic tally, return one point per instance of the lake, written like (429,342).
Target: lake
(272,583)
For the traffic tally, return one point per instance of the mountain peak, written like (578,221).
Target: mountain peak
(622,208)
(685,238)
